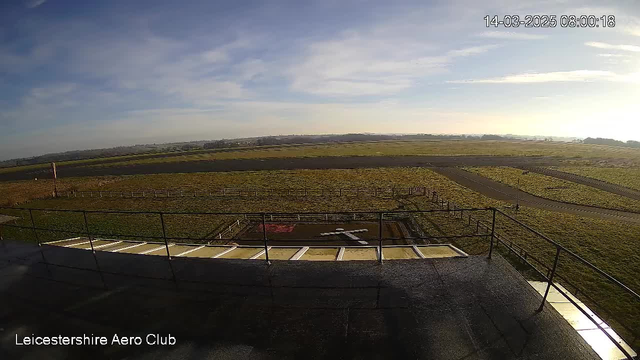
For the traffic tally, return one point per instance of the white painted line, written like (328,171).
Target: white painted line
(299,254)
(259,254)
(340,254)
(224,252)
(155,249)
(190,251)
(417,251)
(128,247)
(80,243)
(57,241)
(462,253)
(105,245)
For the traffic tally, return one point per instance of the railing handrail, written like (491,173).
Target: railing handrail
(576,256)
(246,213)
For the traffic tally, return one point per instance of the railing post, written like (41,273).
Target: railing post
(553,272)
(93,251)
(166,244)
(493,232)
(264,237)
(86,229)
(164,235)
(33,227)
(380,219)
(35,233)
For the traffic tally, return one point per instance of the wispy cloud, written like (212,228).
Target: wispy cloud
(623,47)
(534,78)
(612,55)
(32,4)
(510,35)
(360,65)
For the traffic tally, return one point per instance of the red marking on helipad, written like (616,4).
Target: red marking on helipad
(278,228)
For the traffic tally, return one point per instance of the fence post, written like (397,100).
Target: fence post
(264,237)
(380,215)
(553,272)
(493,232)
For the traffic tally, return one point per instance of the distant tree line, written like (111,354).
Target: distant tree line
(611,142)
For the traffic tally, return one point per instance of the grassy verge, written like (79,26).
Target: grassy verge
(557,189)
(18,192)
(629,177)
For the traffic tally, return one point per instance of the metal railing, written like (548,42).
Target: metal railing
(445,207)
(387,192)
(551,273)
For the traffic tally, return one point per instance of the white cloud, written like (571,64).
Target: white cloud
(32,4)
(510,35)
(558,76)
(358,65)
(612,55)
(600,45)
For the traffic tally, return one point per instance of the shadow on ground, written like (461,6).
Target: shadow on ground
(471,308)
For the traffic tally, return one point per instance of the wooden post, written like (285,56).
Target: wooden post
(380,220)
(55,178)
(266,241)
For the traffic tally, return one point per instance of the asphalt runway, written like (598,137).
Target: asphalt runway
(498,191)
(339,162)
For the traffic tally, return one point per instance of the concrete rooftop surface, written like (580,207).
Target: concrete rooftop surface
(452,308)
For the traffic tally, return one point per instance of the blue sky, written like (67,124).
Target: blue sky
(90,74)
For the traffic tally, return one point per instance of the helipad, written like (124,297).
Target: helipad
(259,252)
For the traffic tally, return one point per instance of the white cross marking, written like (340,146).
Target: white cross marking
(348,233)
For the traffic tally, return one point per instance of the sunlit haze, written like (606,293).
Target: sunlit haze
(91,74)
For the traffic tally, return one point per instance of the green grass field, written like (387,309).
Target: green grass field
(628,156)
(608,245)
(557,189)
(387,148)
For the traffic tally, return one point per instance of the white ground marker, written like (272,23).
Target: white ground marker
(128,247)
(105,245)
(80,243)
(299,254)
(155,249)
(417,251)
(190,251)
(57,241)
(224,252)
(259,254)
(340,254)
